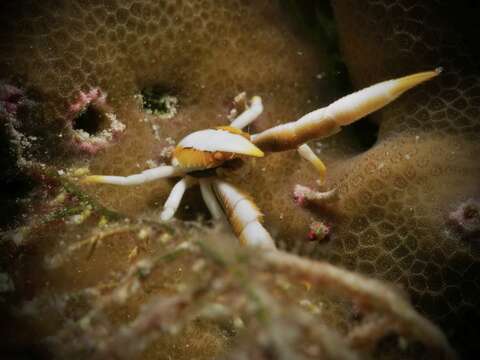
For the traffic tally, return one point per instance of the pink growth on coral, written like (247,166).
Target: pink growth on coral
(90,146)
(87,141)
(466,219)
(93,96)
(299,199)
(319,231)
(303,194)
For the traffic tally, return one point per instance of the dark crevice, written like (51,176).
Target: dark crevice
(366,133)
(14,186)
(14,192)
(91,120)
(317,20)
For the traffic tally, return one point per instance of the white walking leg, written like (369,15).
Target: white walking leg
(250,114)
(210,199)
(175,197)
(243,215)
(308,154)
(135,179)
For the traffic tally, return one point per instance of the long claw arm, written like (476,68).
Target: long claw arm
(135,179)
(249,115)
(329,120)
(363,102)
(307,153)
(210,199)
(243,215)
(175,197)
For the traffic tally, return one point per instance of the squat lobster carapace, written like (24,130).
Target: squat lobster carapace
(211,148)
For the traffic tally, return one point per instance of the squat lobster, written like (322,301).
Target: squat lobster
(198,155)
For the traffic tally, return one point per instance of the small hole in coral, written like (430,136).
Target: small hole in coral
(160,101)
(91,120)
(366,133)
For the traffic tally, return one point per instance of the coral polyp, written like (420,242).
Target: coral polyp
(465,220)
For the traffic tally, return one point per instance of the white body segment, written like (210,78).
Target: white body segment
(229,192)
(219,140)
(249,115)
(254,234)
(243,215)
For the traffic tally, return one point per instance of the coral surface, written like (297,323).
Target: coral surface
(399,195)
(109,86)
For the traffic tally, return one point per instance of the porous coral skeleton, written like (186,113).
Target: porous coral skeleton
(197,156)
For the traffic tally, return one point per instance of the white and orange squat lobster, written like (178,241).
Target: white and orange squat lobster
(209,149)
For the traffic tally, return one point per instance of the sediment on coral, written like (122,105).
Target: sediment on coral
(267,303)
(168,281)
